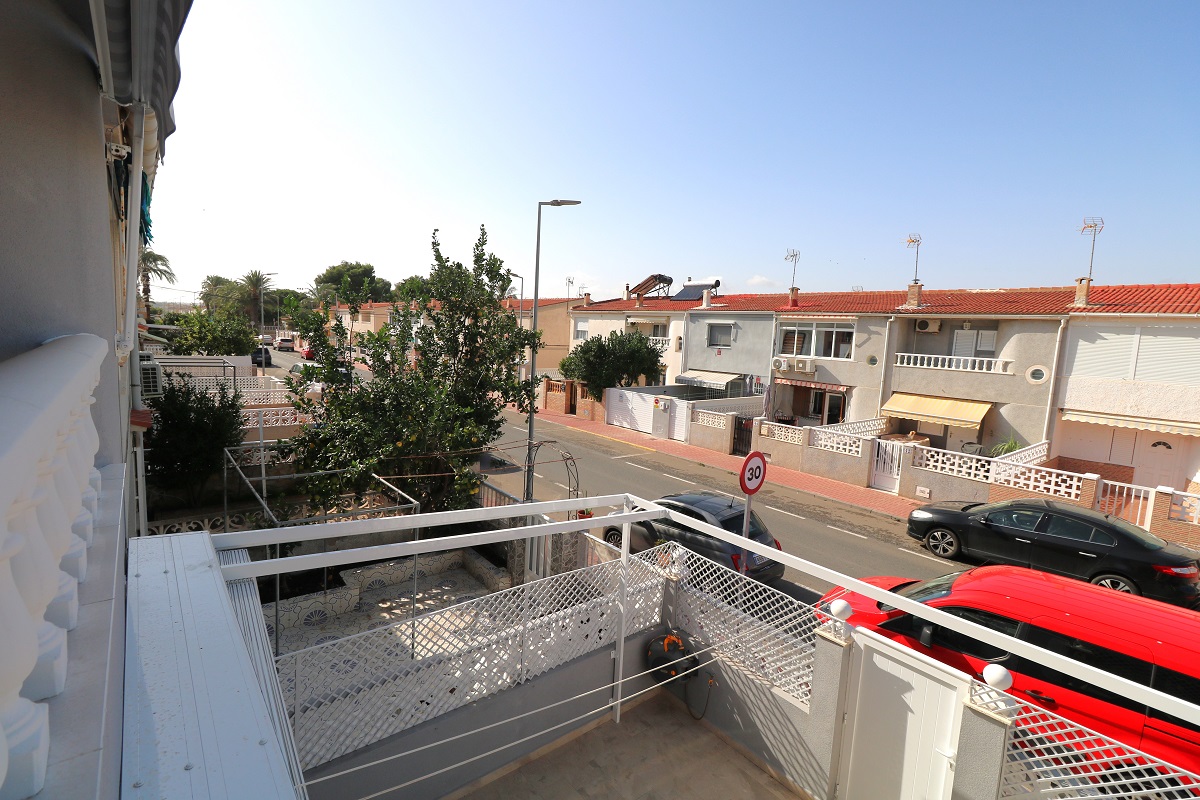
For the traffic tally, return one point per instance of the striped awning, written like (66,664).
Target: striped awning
(1137,423)
(938,410)
(707,379)
(828,387)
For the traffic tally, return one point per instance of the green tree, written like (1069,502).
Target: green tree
(361,277)
(618,360)
(156,266)
(222,294)
(220,334)
(256,284)
(413,289)
(192,428)
(443,370)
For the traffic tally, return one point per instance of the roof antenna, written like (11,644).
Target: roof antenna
(792,256)
(1092,225)
(570,283)
(914,242)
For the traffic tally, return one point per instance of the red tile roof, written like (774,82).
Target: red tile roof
(514,303)
(1161,298)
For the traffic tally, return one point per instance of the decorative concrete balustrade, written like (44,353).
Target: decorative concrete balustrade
(48,492)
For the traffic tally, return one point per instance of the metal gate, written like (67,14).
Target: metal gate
(885,472)
(743,436)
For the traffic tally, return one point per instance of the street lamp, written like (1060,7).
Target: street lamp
(533,326)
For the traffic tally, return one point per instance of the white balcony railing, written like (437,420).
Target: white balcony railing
(959,363)
(1028,477)
(1185,507)
(1127,501)
(48,499)
(661,341)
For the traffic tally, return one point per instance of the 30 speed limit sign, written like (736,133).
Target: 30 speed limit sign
(754,472)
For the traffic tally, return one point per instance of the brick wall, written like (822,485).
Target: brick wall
(557,394)
(1172,530)
(1109,472)
(589,408)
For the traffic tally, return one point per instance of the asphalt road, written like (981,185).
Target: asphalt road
(849,540)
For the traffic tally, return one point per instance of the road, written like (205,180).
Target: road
(851,541)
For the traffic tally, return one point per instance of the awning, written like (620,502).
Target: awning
(938,410)
(1137,423)
(828,387)
(647,320)
(710,380)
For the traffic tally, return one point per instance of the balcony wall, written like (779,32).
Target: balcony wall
(54,199)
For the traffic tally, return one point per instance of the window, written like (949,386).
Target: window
(1178,685)
(1086,653)
(817,407)
(1015,518)
(581,329)
(967,645)
(822,339)
(658,331)
(720,335)
(1067,528)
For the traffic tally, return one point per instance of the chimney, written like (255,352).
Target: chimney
(627,291)
(1082,287)
(587,298)
(914,295)
(793,297)
(707,301)
(638,304)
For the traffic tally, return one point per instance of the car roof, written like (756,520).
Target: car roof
(710,502)
(1170,632)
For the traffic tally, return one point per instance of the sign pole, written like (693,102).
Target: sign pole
(751,478)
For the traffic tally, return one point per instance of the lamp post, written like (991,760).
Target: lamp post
(533,326)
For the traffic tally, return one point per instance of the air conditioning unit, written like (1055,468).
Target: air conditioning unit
(805,365)
(152,377)
(929,325)
(780,364)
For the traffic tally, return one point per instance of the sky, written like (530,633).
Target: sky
(702,139)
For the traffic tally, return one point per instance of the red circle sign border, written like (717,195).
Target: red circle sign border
(756,455)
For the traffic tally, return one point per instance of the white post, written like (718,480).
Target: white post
(622,603)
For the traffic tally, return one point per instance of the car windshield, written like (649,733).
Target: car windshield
(758,531)
(924,591)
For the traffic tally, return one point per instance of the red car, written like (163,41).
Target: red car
(1136,638)
(307,353)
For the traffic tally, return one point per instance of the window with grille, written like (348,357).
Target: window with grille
(821,339)
(720,335)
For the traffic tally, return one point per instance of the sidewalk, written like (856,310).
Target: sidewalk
(860,496)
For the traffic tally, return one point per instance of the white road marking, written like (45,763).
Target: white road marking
(676,477)
(629,455)
(922,555)
(790,514)
(538,475)
(843,530)
(559,485)
(718,491)
(639,466)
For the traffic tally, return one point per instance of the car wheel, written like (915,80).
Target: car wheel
(612,536)
(1117,583)
(942,542)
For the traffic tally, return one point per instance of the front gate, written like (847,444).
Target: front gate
(885,471)
(743,436)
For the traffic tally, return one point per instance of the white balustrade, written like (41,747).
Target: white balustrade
(1033,454)
(783,433)
(845,443)
(273,417)
(958,363)
(709,419)
(266,397)
(1056,483)
(48,492)
(661,341)
(1127,501)
(862,427)
(1185,507)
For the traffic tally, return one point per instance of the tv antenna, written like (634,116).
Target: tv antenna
(570,283)
(914,243)
(582,289)
(1093,226)
(792,256)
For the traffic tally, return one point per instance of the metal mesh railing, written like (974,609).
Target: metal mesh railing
(759,629)
(345,694)
(1049,757)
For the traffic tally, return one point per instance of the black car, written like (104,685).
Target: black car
(261,357)
(724,512)
(1063,539)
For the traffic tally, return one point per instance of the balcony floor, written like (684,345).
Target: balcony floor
(658,752)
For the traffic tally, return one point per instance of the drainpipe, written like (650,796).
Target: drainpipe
(887,363)
(128,346)
(1062,326)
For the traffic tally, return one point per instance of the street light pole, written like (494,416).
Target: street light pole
(533,326)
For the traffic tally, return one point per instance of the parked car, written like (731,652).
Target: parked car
(261,357)
(1135,638)
(308,353)
(1063,539)
(719,510)
(266,339)
(285,343)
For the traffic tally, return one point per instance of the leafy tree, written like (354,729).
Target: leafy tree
(220,334)
(256,283)
(413,289)
(361,279)
(443,370)
(618,360)
(192,428)
(156,266)
(218,293)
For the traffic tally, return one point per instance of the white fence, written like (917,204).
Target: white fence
(1127,501)
(710,419)
(783,433)
(48,497)
(846,443)
(273,417)
(243,383)
(1056,483)
(1033,454)
(266,397)
(863,427)
(957,363)
(1185,507)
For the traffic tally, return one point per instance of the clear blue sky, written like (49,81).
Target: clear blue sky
(704,139)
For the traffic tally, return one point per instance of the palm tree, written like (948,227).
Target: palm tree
(213,289)
(256,283)
(153,265)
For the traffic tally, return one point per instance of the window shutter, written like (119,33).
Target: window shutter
(1100,352)
(964,344)
(1169,355)
(987,341)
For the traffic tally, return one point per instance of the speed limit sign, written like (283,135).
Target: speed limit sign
(754,472)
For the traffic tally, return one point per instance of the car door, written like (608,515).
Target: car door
(699,542)
(964,653)
(1069,546)
(1004,536)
